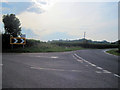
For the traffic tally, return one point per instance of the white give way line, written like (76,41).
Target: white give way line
(100,68)
(53,69)
(46,56)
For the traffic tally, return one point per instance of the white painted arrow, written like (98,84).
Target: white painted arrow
(15,40)
(22,40)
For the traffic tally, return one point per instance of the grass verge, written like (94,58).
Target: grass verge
(42,48)
(114,52)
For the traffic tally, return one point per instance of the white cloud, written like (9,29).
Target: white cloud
(5,8)
(41,5)
(63,0)
(0,23)
(71,18)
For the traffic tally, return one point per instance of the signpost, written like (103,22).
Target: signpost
(17,40)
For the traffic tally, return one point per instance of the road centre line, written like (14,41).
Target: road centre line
(93,65)
(116,75)
(85,60)
(104,71)
(77,59)
(99,68)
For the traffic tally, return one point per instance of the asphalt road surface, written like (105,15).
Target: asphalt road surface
(76,69)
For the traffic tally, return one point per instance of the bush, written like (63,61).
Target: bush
(86,45)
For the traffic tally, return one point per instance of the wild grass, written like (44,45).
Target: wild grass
(114,52)
(43,47)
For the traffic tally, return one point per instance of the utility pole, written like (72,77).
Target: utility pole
(84,34)
(84,41)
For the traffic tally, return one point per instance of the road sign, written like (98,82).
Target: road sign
(17,40)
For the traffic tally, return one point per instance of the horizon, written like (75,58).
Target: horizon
(45,21)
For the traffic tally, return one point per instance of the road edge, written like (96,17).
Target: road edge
(105,51)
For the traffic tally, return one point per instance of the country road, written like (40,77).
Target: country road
(76,69)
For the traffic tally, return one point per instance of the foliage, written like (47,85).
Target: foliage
(31,42)
(42,47)
(82,41)
(86,45)
(12,25)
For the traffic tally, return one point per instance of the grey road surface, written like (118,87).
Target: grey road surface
(76,69)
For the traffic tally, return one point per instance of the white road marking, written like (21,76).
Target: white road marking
(89,63)
(93,65)
(99,68)
(103,70)
(39,68)
(38,56)
(105,51)
(53,57)
(78,56)
(1,64)
(116,75)
(98,72)
(47,56)
(86,61)
(77,59)
(106,71)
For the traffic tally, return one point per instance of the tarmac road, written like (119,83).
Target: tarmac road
(77,69)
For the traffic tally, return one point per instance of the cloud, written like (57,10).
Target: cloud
(64,0)
(1,27)
(5,8)
(5,1)
(40,6)
(70,18)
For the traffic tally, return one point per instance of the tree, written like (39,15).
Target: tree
(119,46)
(12,25)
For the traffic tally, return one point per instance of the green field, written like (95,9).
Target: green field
(114,52)
(43,47)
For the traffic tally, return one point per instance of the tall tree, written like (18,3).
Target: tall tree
(12,25)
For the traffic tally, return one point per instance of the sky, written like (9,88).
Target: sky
(53,20)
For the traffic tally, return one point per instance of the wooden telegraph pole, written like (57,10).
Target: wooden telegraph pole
(84,34)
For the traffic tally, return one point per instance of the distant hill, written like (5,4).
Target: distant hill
(82,40)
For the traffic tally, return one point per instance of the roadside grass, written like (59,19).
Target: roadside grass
(34,46)
(114,52)
(43,47)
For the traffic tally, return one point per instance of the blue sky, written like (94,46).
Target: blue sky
(45,20)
